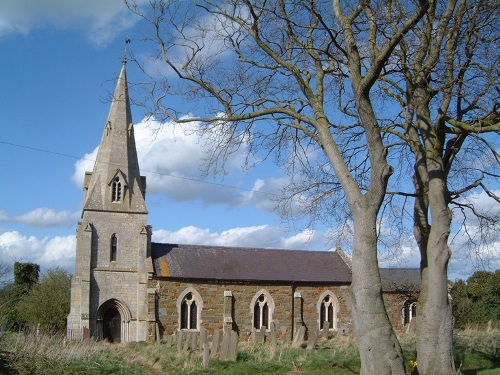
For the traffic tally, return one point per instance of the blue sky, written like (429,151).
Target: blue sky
(60,60)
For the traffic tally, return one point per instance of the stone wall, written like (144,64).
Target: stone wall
(228,305)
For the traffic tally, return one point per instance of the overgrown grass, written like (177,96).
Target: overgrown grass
(52,355)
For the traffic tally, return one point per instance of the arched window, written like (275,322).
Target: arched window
(114,247)
(262,310)
(328,308)
(116,190)
(409,311)
(189,307)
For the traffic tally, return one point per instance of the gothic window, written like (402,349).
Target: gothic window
(114,247)
(116,190)
(409,311)
(262,310)
(190,310)
(328,309)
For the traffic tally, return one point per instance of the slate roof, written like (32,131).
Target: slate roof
(248,264)
(400,279)
(270,265)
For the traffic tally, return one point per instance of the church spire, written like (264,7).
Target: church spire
(116,183)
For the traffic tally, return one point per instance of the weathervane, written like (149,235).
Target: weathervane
(125,50)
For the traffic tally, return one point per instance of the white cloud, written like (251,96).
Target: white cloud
(482,203)
(101,21)
(261,236)
(43,218)
(47,252)
(172,157)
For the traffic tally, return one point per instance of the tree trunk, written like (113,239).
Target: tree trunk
(435,320)
(378,345)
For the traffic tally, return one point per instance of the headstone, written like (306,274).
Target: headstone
(194,339)
(311,341)
(298,340)
(179,340)
(273,344)
(187,342)
(261,335)
(206,355)
(253,335)
(224,351)
(203,338)
(325,330)
(169,341)
(157,331)
(233,346)
(215,343)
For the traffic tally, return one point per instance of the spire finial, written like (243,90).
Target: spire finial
(127,41)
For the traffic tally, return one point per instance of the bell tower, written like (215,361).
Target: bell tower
(113,240)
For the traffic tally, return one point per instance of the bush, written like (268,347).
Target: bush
(47,303)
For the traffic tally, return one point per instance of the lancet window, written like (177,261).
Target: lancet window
(114,247)
(328,309)
(263,308)
(116,190)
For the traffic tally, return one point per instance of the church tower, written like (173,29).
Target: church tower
(113,240)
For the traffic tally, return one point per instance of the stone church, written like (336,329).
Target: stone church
(126,288)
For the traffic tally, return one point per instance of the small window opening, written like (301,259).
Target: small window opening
(116,190)
(114,247)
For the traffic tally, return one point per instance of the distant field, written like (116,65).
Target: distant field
(51,355)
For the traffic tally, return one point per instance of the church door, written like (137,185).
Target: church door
(111,325)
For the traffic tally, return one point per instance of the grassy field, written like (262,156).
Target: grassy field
(51,355)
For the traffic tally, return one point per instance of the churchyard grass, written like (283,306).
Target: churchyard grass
(475,353)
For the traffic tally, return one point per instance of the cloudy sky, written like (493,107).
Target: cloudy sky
(60,60)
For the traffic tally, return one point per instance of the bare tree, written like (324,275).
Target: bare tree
(292,79)
(446,82)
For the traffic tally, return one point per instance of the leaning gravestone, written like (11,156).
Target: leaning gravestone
(311,341)
(298,340)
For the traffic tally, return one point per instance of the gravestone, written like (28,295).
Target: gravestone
(225,346)
(215,343)
(233,346)
(298,340)
(311,341)
(179,340)
(187,342)
(203,338)
(206,355)
(325,330)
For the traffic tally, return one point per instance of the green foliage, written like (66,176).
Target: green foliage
(47,303)
(477,300)
(25,275)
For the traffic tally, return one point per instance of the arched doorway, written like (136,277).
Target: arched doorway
(111,325)
(113,318)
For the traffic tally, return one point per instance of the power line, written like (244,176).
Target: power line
(141,170)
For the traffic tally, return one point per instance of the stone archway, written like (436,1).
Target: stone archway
(113,319)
